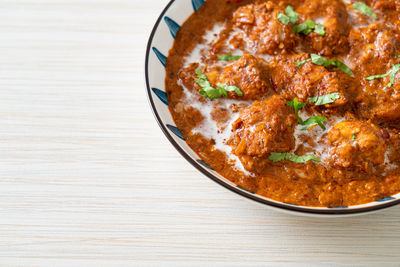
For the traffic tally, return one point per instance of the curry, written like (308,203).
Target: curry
(297,101)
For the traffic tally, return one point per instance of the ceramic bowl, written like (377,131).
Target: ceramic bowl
(160,41)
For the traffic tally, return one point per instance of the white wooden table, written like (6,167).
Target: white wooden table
(88,179)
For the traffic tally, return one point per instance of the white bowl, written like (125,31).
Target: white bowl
(160,41)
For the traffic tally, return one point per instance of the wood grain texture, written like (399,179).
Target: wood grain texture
(88,179)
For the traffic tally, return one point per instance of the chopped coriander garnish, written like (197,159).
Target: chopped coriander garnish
(301,63)
(364,9)
(283,19)
(291,16)
(206,88)
(275,157)
(324,99)
(353,137)
(378,76)
(319,29)
(297,105)
(305,27)
(230,88)
(308,26)
(228,57)
(210,92)
(392,72)
(314,120)
(398,56)
(321,61)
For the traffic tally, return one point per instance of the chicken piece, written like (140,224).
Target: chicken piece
(378,41)
(373,51)
(264,127)
(309,80)
(260,31)
(332,14)
(356,144)
(249,74)
(388,9)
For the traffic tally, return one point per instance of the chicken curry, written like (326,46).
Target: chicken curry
(297,101)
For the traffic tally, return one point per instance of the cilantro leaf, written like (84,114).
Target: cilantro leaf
(301,63)
(392,72)
(319,29)
(206,88)
(228,57)
(321,61)
(293,16)
(378,76)
(297,105)
(353,137)
(314,120)
(324,99)
(283,19)
(275,157)
(364,9)
(308,26)
(305,27)
(343,67)
(210,92)
(230,88)
(395,69)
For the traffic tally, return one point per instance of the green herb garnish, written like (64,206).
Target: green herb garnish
(291,16)
(324,99)
(210,92)
(275,157)
(228,57)
(283,18)
(321,61)
(301,63)
(353,137)
(230,88)
(314,120)
(319,29)
(305,27)
(308,26)
(392,73)
(297,105)
(364,9)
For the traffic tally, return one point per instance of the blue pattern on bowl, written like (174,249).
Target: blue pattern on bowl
(197,4)
(172,25)
(161,39)
(176,131)
(160,56)
(161,95)
(386,199)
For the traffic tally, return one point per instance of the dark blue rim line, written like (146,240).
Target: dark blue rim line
(219,181)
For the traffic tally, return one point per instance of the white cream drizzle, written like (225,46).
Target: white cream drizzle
(210,129)
(198,52)
(316,133)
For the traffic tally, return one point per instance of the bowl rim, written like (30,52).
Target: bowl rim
(242,192)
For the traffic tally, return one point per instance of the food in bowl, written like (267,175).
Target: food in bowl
(295,101)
